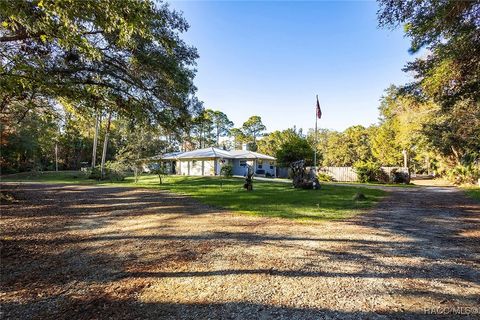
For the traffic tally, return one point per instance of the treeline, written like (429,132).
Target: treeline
(438,114)
(210,127)
(123,68)
(63,67)
(434,142)
(62,136)
(436,118)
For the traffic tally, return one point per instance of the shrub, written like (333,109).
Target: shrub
(370,172)
(94,173)
(227,171)
(400,176)
(322,176)
(464,174)
(114,171)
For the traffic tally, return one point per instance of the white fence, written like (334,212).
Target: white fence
(343,174)
(348,174)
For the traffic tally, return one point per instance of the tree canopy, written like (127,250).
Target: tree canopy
(450,31)
(127,55)
(439,113)
(78,59)
(287,146)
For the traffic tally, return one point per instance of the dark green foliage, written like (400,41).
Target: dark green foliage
(455,134)
(227,170)
(88,57)
(293,148)
(127,53)
(345,148)
(114,171)
(399,177)
(252,129)
(31,145)
(94,173)
(450,30)
(446,76)
(369,171)
(464,174)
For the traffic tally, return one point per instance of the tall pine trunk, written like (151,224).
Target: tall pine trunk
(105,144)
(95,140)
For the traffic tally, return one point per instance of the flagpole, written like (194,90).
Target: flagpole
(316,141)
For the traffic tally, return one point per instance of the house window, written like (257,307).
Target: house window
(272,163)
(260,164)
(243,163)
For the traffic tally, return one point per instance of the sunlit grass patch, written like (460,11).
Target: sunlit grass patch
(268,199)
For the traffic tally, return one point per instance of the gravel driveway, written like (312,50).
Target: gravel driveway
(88,252)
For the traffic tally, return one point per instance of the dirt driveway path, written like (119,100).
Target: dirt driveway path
(83,252)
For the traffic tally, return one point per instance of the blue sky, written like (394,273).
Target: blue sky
(271,59)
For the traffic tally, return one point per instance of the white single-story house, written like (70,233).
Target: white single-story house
(209,162)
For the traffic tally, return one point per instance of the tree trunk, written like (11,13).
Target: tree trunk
(105,144)
(456,154)
(95,140)
(56,157)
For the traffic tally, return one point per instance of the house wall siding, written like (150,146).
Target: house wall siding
(197,167)
(239,170)
(266,164)
(184,168)
(211,167)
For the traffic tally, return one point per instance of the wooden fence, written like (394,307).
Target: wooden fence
(348,174)
(344,174)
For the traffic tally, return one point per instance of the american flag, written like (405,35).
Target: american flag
(319,111)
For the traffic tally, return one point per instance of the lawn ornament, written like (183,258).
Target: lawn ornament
(303,179)
(248,178)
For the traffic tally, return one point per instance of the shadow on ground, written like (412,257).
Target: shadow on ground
(91,252)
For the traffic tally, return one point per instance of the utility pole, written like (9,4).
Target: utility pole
(318,115)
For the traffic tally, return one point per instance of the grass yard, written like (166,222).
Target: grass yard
(267,199)
(473,192)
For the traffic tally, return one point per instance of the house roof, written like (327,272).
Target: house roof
(204,153)
(245,154)
(168,156)
(213,152)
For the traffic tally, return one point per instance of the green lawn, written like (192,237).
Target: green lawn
(267,199)
(70,177)
(473,192)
